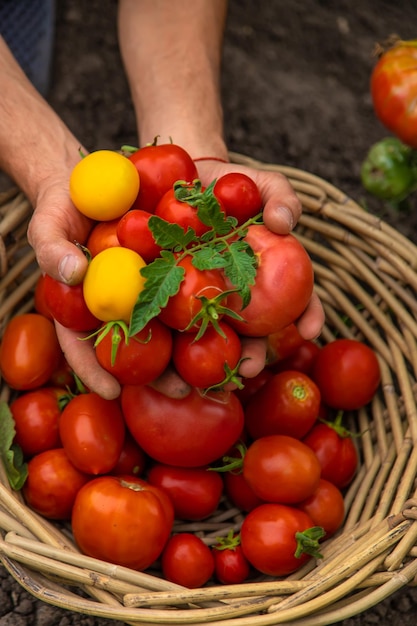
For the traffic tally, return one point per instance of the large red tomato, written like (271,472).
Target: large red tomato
(29,351)
(283,284)
(394,91)
(123,520)
(187,432)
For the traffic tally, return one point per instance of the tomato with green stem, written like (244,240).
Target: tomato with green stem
(231,567)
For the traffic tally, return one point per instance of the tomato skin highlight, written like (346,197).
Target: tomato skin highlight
(394,89)
(284,279)
(268,538)
(121,520)
(29,351)
(188,432)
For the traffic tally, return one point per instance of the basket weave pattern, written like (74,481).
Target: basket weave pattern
(366,277)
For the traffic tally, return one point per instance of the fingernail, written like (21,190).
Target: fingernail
(68,268)
(287,215)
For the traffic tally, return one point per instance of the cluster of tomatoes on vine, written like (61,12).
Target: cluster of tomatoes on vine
(123,471)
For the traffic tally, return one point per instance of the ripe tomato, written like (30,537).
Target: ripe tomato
(268,538)
(194,491)
(230,564)
(104,185)
(67,305)
(209,360)
(287,404)
(159,167)
(36,414)
(138,360)
(132,459)
(102,236)
(394,90)
(29,351)
(92,432)
(187,432)
(347,374)
(302,359)
(239,492)
(52,484)
(133,232)
(122,520)
(252,385)
(40,305)
(335,452)
(239,196)
(281,469)
(177,212)
(112,283)
(182,308)
(283,343)
(187,560)
(326,507)
(284,280)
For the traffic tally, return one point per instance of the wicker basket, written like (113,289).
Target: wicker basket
(366,279)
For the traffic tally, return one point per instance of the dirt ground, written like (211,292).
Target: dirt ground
(295,90)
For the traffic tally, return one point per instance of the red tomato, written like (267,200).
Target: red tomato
(209,360)
(283,343)
(122,521)
(268,538)
(230,564)
(140,359)
(336,453)
(394,91)
(52,484)
(102,236)
(284,280)
(63,376)
(188,432)
(252,385)
(347,374)
(29,351)
(239,492)
(67,305)
(177,212)
(186,304)
(287,404)
(239,196)
(159,167)
(132,459)
(36,414)
(194,491)
(39,298)
(92,432)
(302,359)
(326,507)
(187,561)
(133,232)
(281,469)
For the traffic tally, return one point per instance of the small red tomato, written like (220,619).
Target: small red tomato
(39,298)
(239,492)
(288,404)
(301,360)
(67,305)
(283,343)
(194,491)
(231,567)
(102,236)
(36,415)
(133,232)
(29,351)
(326,507)
(92,431)
(187,560)
(52,484)
(177,212)
(347,373)
(132,459)
(239,195)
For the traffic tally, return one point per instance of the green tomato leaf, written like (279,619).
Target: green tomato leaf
(10,453)
(170,236)
(163,280)
(240,268)
(209,257)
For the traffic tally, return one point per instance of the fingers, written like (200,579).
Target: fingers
(311,322)
(253,356)
(81,357)
(171,384)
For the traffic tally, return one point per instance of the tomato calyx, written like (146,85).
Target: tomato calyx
(230,542)
(338,427)
(117,336)
(231,376)
(232,464)
(210,313)
(308,542)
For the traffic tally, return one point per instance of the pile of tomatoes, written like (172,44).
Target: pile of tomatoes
(123,471)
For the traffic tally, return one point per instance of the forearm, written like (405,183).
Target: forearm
(34,142)
(172,55)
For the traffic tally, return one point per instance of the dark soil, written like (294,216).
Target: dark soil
(296,92)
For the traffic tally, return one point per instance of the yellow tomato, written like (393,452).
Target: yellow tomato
(104,185)
(112,283)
